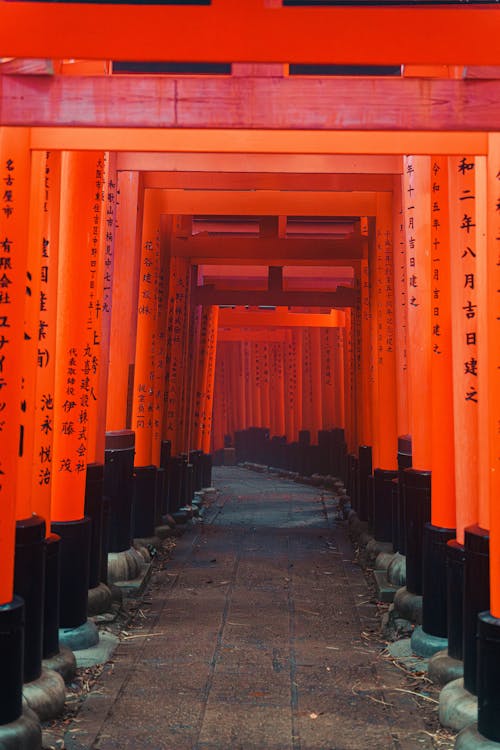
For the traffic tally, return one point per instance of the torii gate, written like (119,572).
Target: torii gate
(216,128)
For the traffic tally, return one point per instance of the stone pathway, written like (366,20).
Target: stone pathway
(259,635)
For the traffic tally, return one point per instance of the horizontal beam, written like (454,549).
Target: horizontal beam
(252,31)
(226,141)
(342,297)
(269,202)
(267,318)
(270,251)
(267,181)
(288,103)
(325,165)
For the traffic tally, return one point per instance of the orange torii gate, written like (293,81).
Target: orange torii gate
(273,34)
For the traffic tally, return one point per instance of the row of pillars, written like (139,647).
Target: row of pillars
(102,433)
(422,359)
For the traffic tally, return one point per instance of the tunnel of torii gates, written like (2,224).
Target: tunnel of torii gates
(304,268)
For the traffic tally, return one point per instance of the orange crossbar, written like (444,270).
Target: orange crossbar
(251,32)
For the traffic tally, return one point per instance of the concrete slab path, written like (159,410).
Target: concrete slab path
(259,635)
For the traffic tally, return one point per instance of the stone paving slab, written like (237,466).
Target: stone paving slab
(259,637)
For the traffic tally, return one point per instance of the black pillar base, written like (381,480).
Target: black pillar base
(488,669)
(455,562)
(206,478)
(93,509)
(75,560)
(52,602)
(11,659)
(417,502)
(434,610)
(175,472)
(29,583)
(365,470)
(144,509)
(118,487)
(404,462)
(476,597)
(382,504)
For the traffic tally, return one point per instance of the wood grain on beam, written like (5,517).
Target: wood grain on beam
(270,251)
(252,32)
(342,297)
(243,141)
(335,103)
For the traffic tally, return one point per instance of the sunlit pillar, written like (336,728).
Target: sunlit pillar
(467,185)
(14,205)
(489,621)
(441,528)
(75,380)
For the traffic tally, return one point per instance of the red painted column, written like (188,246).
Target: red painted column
(144,374)
(14,203)
(442,434)
(327,378)
(44,245)
(75,366)
(174,428)
(465,312)
(416,481)
(492,366)
(124,295)
(209,383)
(400,309)
(75,375)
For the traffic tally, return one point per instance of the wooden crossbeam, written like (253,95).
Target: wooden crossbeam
(335,103)
(270,202)
(267,181)
(243,141)
(268,251)
(252,31)
(266,318)
(207,295)
(286,164)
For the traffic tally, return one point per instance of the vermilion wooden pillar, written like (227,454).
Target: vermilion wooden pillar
(160,349)
(467,244)
(489,621)
(125,286)
(290,390)
(441,527)
(176,374)
(385,408)
(45,247)
(199,321)
(36,465)
(246,363)
(15,175)
(266,378)
(400,308)
(416,481)
(317,401)
(209,382)
(327,382)
(279,372)
(75,382)
(147,344)
(144,373)
(492,364)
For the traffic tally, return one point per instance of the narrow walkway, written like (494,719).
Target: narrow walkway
(259,636)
